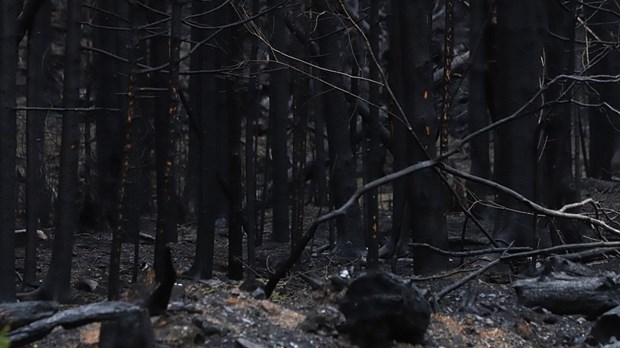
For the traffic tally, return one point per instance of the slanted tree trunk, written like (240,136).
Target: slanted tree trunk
(8,128)
(38,44)
(426,192)
(342,163)
(56,285)
(520,30)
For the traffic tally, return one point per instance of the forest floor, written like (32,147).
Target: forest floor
(216,313)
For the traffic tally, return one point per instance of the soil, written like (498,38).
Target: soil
(217,313)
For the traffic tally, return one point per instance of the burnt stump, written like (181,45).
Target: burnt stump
(380,309)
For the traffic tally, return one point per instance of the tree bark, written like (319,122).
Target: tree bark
(57,283)
(8,128)
(426,193)
(342,178)
(278,125)
(520,32)
(38,44)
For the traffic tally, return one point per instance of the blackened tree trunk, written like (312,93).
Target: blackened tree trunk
(8,127)
(278,124)
(604,60)
(520,33)
(558,177)
(400,234)
(300,126)
(233,111)
(477,107)
(108,124)
(125,221)
(251,157)
(372,150)
(165,116)
(38,44)
(56,285)
(204,100)
(342,170)
(426,200)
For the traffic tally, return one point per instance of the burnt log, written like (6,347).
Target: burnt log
(18,314)
(379,308)
(565,294)
(72,318)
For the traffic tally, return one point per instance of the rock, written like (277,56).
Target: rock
(324,320)
(380,308)
(245,343)
(86,284)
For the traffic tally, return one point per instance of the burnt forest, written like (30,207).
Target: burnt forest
(309,173)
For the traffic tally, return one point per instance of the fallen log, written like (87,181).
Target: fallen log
(22,313)
(565,294)
(71,318)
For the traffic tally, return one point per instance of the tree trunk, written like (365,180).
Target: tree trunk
(57,283)
(204,100)
(165,116)
(278,124)
(477,107)
(108,124)
(520,30)
(8,130)
(425,189)
(558,188)
(38,44)
(342,178)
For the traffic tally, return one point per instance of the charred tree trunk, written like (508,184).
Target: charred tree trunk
(558,188)
(8,128)
(251,157)
(425,190)
(520,32)
(605,60)
(399,237)
(57,283)
(38,44)
(342,178)
(372,150)
(233,111)
(108,124)
(125,222)
(300,125)
(477,107)
(204,100)
(278,124)
(166,51)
